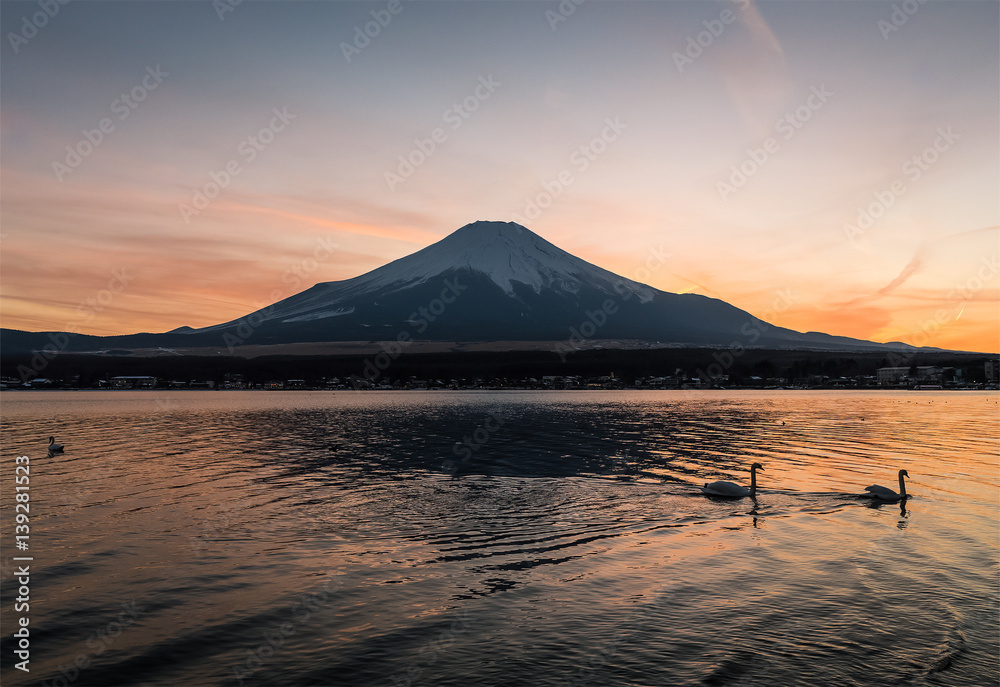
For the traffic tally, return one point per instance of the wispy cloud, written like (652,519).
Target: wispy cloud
(324,176)
(756,72)
(915,265)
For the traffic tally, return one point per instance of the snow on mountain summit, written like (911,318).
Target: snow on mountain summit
(506,252)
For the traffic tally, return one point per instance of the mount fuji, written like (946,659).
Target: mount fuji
(489,281)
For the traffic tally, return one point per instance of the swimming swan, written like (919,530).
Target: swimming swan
(886,494)
(54,447)
(731,489)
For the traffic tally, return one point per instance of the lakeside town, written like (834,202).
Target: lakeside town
(916,377)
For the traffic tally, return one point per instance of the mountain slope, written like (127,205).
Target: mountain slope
(509,256)
(491,281)
(500,281)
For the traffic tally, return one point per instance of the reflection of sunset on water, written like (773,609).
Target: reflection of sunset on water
(227,516)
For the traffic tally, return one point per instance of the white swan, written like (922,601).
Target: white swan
(886,494)
(54,447)
(731,489)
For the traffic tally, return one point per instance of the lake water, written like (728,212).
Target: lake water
(213,538)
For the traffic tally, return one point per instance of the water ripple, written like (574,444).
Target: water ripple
(402,538)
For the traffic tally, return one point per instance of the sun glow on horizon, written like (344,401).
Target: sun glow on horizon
(817,189)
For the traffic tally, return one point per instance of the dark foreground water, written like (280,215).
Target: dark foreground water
(212,538)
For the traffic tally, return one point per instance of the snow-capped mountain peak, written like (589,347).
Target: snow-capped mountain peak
(494,281)
(507,253)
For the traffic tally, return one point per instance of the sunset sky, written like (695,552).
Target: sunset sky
(829,166)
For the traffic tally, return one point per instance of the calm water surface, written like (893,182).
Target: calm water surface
(504,538)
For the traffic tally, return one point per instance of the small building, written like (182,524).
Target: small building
(992,368)
(930,374)
(133,382)
(922,374)
(892,376)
